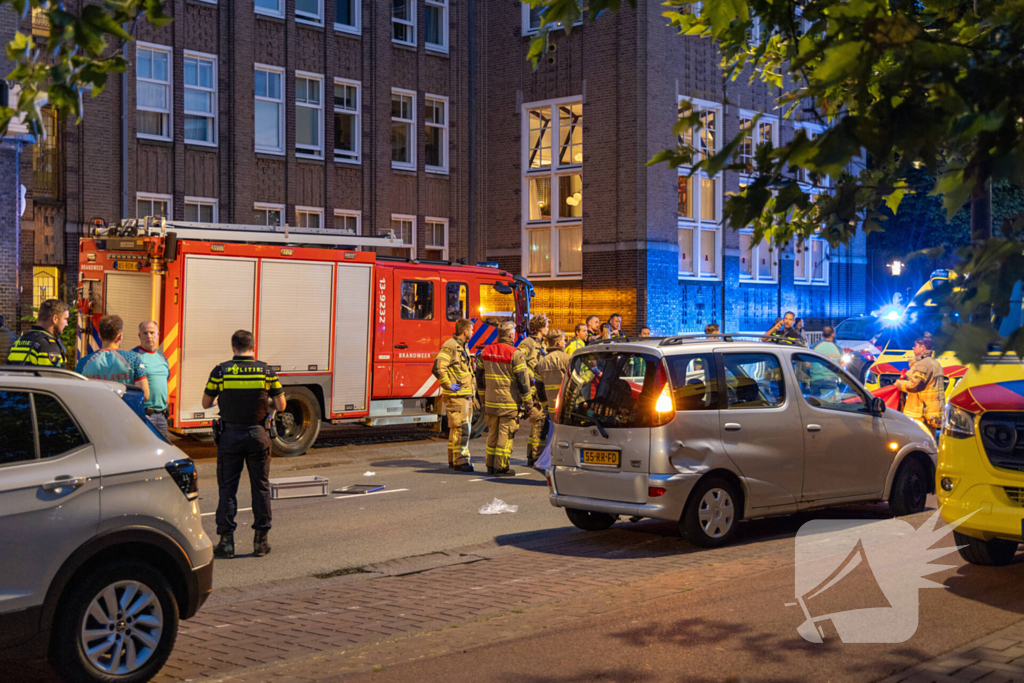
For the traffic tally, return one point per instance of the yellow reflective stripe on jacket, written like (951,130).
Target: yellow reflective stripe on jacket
(244,384)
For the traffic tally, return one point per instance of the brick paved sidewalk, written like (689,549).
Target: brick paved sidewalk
(997,658)
(246,640)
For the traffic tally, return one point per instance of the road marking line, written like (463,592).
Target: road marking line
(363,495)
(207,514)
(518,474)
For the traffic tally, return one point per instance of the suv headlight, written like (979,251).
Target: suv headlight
(957,422)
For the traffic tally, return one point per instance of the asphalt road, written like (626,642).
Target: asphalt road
(425,508)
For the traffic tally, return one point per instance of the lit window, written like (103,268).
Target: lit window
(435,238)
(435,147)
(309,10)
(346,15)
(147,204)
(699,214)
(757,263)
(766,133)
(309,217)
(200,99)
(347,131)
(153,91)
(199,210)
(403,130)
(274,8)
(269,110)
(268,214)
(403,22)
(347,222)
(44,284)
(309,109)
(553,189)
(437,25)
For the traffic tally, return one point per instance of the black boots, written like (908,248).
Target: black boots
(225,550)
(505,472)
(260,545)
(465,467)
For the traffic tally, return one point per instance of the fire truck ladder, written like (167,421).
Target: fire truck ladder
(231,232)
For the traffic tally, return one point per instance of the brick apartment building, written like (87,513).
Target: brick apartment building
(423,116)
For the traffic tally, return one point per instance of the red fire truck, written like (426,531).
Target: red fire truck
(351,333)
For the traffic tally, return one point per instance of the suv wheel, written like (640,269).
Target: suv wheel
(119,624)
(996,552)
(710,517)
(909,490)
(590,521)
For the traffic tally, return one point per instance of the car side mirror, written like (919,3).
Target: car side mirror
(877,406)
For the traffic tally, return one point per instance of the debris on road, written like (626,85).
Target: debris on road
(360,488)
(299,487)
(497,506)
(369,474)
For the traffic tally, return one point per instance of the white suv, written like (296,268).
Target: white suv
(709,431)
(99,521)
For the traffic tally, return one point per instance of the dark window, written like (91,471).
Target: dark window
(616,389)
(456,300)
(694,382)
(58,433)
(824,385)
(417,300)
(16,427)
(754,380)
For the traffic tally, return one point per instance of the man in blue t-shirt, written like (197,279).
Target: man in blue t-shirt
(157,373)
(110,362)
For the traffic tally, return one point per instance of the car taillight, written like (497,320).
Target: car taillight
(184,474)
(655,491)
(664,407)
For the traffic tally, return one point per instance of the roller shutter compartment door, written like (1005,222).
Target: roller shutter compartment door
(295,315)
(129,296)
(351,339)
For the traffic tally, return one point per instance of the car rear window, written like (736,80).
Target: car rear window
(616,389)
(753,380)
(694,381)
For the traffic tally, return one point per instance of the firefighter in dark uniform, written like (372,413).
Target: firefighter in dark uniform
(41,345)
(242,387)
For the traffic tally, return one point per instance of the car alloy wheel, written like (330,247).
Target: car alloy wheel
(122,627)
(716,513)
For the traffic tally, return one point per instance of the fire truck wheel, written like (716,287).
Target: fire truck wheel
(298,424)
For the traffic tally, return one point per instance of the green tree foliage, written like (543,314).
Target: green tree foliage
(932,85)
(77,56)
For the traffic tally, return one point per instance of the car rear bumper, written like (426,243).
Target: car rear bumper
(668,506)
(200,585)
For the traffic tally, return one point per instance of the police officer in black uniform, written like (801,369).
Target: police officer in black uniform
(242,387)
(41,345)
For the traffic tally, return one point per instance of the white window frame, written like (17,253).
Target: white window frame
(214,117)
(411,164)
(152,196)
(307,18)
(355,28)
(754,277)
(204,201)
(263,206)
(358,113)
(411,23)
(169,83)
(319,79)
(316,210)
(404,217)
(427,247)
(813,130)
(280,150)
(554,225)
(443,168)
(697,224)
(528,30)
(358,215)
(271,13)
(806,249)
(443,6)
(749,114)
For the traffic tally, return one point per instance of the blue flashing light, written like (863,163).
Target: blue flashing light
(941,273)
(487,264)
(892,315)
